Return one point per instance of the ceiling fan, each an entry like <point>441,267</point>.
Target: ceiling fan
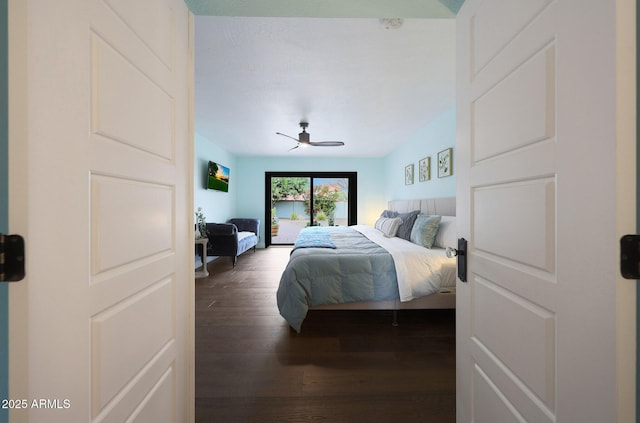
<point>304,141</point>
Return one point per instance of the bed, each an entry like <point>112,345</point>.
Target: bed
<point>361,268</point>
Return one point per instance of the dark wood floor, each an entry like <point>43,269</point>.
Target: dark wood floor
<point>345,366</point>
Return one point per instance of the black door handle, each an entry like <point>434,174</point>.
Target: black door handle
<point>461,254</point>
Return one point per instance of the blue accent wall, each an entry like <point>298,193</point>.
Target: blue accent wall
<point>4,203</point>
<point>217,206</point>
<point>434,137</point>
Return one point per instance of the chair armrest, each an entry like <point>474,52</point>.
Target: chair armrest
<point>246,224</point>
<point>223,239</point>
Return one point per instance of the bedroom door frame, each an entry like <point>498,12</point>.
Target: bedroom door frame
<point>637,111</point>
<point>4,204</point>
<point>352,198</point>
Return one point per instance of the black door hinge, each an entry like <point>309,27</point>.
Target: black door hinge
<point>630,256</point>
<point>11,258</point>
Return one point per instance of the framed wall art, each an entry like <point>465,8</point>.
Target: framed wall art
<point>408,174</point>
<point>424,169</point>
<point>445,163</point>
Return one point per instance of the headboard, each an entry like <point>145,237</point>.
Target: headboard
<point>440,206</point>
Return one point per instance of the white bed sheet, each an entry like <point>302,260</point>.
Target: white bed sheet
<point>420,271</point>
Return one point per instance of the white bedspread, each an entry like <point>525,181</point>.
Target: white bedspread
<point>420,271</point>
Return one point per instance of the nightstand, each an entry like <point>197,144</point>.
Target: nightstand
<point>203,256</point>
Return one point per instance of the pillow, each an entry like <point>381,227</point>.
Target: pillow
<point>446,236</point>
<point>424,230</point>
<point>388,226</point>
<point>408,219</point>
<point>389,213</point>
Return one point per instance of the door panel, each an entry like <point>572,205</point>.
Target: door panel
<point>536,164</point>
<point>490,403</point>
<point>108,212</point>
<point>532,359</point>
<point>149,213</point>
<point>150,308</point>
<point>145,120</point>
<point>159,36</point>
<point>495,24</point>
<point>502,122</point>
<point>500,211</point>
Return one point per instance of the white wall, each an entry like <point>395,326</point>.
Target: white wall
<point>218,206</point>
<point>433,138</point>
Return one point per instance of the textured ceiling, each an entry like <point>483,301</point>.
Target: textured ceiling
<point>327,8</point>
<point>352,79</point>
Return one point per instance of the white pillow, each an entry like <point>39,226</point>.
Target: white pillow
<point>446,236</point>
<point>388,226</point>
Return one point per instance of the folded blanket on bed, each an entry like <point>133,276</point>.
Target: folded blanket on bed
<point>314,237</point>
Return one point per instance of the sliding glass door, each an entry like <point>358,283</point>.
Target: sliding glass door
<point>295,200</point>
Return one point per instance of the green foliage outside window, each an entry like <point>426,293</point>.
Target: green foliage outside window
<point>281,188</point>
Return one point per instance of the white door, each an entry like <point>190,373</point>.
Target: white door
<point>545,150</point>
<point>100,331</point>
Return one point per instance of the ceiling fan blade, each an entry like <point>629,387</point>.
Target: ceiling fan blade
<point>288,136</point>
<point>327,143</point>
<point>303,139</point>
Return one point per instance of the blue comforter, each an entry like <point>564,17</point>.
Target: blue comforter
<point>356,270</point>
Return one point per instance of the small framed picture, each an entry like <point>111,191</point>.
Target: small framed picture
<point>424,169</point>
<point>408,174</point>
<point>445,163</point>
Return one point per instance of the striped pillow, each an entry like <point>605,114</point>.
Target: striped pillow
<point>388,226</point>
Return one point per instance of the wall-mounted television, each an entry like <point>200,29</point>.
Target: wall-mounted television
<point>218,177</point>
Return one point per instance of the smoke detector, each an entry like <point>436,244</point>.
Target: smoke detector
<point>391,23</point>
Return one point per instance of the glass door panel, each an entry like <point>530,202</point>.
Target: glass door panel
<point>330,201</point>
<point>290,198</point>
